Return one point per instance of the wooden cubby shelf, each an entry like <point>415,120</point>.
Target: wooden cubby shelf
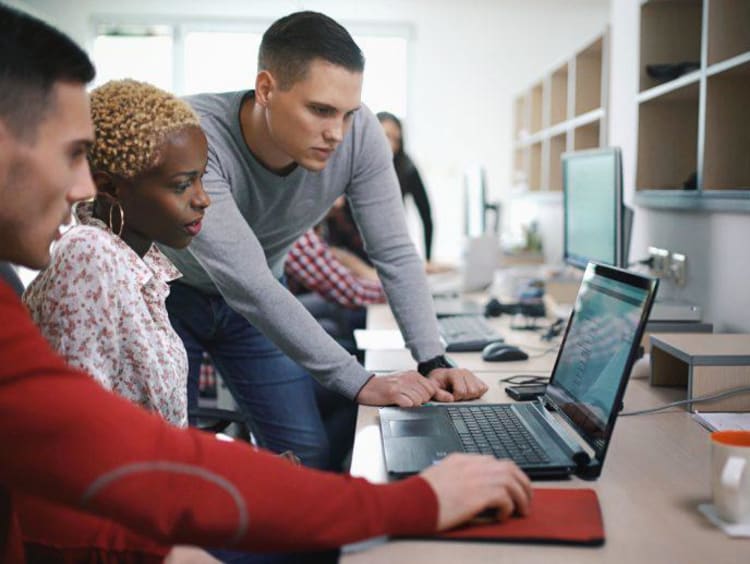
<point>535,105</point>
<point>535,167</point>
<point>588,92</point>
<point>668,139</point>
<point>694,129</point>
<point>587,137</point>
<point>559,95</point>
<point>727,163</point>
<point>728,34</point>
<point>557,145</point>
<point>563,111</point>
<point>670,34</point>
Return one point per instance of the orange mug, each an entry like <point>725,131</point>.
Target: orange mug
<point>730,475</point>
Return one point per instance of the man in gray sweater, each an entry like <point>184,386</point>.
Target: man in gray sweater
<point>279,156</point>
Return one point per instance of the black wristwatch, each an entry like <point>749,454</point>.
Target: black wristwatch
<point>424,368</point>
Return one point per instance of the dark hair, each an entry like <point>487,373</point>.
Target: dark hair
<point>292,42</point>
<point>33,57</point>
<point>401,161</point>
<point>388,116</point>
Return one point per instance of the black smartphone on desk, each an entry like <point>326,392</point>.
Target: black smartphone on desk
<point>526,392</point>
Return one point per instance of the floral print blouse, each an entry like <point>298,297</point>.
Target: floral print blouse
<point>102,307</point>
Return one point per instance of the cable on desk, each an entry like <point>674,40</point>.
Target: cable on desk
<point>554,330</point>
<point>524,379</point>
<point>699,399</point>
<point>543,353</point>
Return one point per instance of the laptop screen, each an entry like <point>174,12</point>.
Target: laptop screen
<point>597,352</point>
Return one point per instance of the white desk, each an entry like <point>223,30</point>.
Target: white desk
<point>541,353</point>
<point>655,474</point>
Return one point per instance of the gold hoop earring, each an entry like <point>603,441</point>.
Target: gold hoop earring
<point>122,217</point>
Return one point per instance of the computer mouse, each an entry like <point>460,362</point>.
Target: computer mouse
<point>501,352</point>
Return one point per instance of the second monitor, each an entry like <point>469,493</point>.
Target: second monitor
<point>596,222</point>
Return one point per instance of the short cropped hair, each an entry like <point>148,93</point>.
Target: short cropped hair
<point>34,56</point>
<point>131,121</point>
<point>294,41</point>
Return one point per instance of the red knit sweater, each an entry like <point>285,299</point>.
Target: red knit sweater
<point>65,439</point>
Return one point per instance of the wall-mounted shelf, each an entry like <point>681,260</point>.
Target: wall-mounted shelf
<point>564,111</point>
<point>694,126</point>
<point>589,71</point>
<point>668,139</point>
<point>670,33</point>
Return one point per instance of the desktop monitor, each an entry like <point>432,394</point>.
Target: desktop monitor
<point>480,247</point>
<point>596,223</point>
<point>475,200</point>
<point>476,205</point>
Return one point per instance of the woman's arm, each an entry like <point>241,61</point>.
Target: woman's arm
<point>75,302</point>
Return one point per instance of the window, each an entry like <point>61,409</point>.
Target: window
<point>385,85</point>
<point>219,61</point>
<point>142,53</point>
<point>188,58</point>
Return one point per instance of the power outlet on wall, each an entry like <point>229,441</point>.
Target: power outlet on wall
<point>678,268</point>
<point>668,265</point>
<point>659,261</point>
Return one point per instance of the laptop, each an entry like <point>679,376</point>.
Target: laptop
<point>585,392</point>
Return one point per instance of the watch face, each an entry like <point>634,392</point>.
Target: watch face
<point>424,368</point>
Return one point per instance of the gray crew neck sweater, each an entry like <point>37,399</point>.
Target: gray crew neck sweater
<point>256,215</point>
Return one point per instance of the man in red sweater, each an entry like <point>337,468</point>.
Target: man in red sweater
<point>65,439</point>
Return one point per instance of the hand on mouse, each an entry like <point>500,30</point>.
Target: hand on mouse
<point>465,484</point>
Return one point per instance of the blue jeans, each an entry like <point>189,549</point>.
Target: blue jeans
<point>287,408</point>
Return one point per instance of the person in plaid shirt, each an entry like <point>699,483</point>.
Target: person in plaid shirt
<point>312,266</point>
<point>334,285</point>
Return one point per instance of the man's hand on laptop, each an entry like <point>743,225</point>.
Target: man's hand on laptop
<point>466,484</point>
<point>460,383</point>
<point>404,389</point>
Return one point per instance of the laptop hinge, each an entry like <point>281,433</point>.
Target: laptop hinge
<point>587,467</point>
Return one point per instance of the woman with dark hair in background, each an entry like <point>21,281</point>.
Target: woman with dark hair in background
<point>408,176</point>
<point>340,228</point>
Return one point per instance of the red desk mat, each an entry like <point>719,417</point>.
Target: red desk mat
<point>557,516</point>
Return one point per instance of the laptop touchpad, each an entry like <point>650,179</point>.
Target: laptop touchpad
<point>414,428</point>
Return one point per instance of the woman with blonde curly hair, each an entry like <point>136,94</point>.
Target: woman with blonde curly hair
<point>100,302</point>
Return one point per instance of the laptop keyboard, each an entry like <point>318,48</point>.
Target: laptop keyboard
<point>496,430</point>
<point>467,333</point>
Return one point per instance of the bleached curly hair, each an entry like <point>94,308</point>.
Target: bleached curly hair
<point>131,121</point>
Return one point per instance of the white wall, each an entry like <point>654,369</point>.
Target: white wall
<point>25,6</point>
<point>469,59</point>
<point>715,243</point>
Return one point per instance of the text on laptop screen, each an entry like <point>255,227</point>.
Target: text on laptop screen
<point>596,351</point>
